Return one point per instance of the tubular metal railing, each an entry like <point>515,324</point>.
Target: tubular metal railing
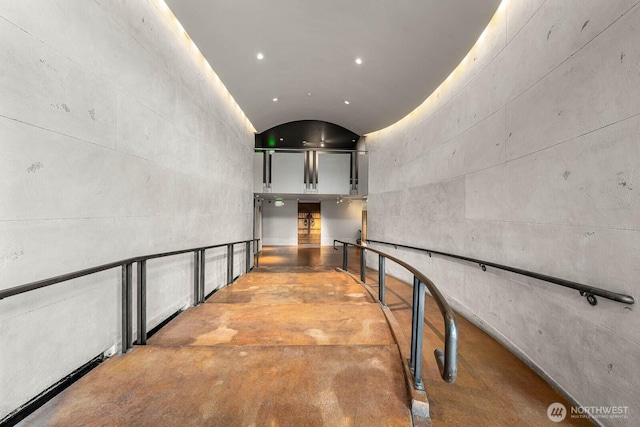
<point>141,282</point>
<point>448,360</point>
<point>590,292</point>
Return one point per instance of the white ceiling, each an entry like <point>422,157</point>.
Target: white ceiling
<point>408,47</point>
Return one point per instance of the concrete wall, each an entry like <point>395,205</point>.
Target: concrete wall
<point>279,225</point>
<point>333,173</point>
<point>339,221</point>
<point>288,173</point>
<point>527,155</point>
<point>258,186</point>
<point>117,141</point>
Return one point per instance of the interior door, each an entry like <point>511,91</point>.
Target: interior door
<point>309,223</point>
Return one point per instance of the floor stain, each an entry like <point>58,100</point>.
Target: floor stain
<point>318,335</point>
<point>356,295</point>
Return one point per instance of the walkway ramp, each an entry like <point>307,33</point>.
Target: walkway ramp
<point>280,347</point>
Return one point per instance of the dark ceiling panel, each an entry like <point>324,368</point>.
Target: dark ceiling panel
<point>307,134</point>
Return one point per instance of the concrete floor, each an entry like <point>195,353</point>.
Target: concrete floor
<point>296,343</point>
<point>494,387</point>
<point>282,346</point>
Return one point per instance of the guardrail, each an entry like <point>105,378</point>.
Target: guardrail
<point>448,360</point>
<point>141,282</point>
<point>589,292</point>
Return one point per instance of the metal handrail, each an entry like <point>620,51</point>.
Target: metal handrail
<point>5,293</point>
<point>141,282</point>
<point>318,149</point>
<point>590,292</point>
<point>448,360</point>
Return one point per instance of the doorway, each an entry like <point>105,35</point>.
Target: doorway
<point>309,223</point>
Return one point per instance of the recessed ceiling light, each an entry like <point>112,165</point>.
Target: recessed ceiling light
<point>275,99</point>
<point>359,61</point>
<point>260,55</point>
<point>346,102</point>
<point>308,93</point>
<point>322,144</point>
<point>281,139</point>
<point>353,140</point>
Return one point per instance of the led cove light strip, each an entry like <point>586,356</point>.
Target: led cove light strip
<point>177,26</point>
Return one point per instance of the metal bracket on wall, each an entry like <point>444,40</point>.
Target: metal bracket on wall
<point>590,297</point>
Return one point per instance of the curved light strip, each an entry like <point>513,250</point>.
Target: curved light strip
<point>497,19</point>
<point>179,29</point>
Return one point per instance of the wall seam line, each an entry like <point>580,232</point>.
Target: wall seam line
<point>571,55</point>
<point>575,137</point>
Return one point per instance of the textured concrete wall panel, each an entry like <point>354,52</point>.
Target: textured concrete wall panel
<point>80,324</point>
<point>594,92</point>
<point>531,161</point>
<point>117,141</point>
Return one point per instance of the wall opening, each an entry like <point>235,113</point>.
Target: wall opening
<point>309,224</point>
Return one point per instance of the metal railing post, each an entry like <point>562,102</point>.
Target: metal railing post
<point>363,266</point>
<point>126,308</point>
<point>248,257</point>
<point>414,326</point>
<point>196,277</point>
<point>381,280</point>
<point>256,248</point>
<point>417,376</point>
<point>229,264</point>
<point>231,248</point>
<point>201,284</point>
<point>142,302</point>
<point>345,256</point>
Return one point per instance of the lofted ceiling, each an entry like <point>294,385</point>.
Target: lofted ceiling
<point>310,47</point>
